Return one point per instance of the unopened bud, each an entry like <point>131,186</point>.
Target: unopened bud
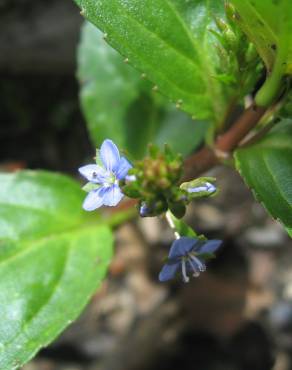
<point>201,187</point>
<point>144,210</point>
<point>152,208</point>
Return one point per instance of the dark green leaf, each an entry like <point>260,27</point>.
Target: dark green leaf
<point>267,169</point>
<point>52,259</point>
<point>118,104</point>
<point>170,42</point>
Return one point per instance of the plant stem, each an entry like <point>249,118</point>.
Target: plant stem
<point>247,121</point>
<point>272,86</point>
<point>207,157</point>
<point>171,224</point>
<point>198,163</point>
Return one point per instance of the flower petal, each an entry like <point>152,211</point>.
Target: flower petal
<point>112,196</point>
<point>182,246</point>
<point>94,200</point>
<point>210,246</point>
<point>110,156</point>
<point>93,173</point>
<point>168,271</point>
<point>123,168</point>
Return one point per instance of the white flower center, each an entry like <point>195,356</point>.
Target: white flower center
<point>110,180</point>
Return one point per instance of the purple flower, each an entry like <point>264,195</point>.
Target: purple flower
<point>104,177</point>
<point>189,254</point>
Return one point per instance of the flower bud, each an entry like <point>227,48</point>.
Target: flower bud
<point>152,208</point>
<point>199,188</point>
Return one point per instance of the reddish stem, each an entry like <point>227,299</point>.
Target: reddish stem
<point>247,121</point>
<point>207,157</point>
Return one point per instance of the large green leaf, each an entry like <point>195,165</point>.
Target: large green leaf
<point>267,169</point>
<point>52,259</point>
<point>268,24</point>
<point>120,105</point>
<point>171,43</point>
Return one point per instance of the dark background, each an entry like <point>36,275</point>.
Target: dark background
<point>40,121</point>
<point>236,316</point>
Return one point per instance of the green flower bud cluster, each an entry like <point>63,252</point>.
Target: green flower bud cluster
<point>155,182</point>
<point>240,64</point>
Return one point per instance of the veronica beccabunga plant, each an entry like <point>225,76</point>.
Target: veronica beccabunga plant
<point>210,78</point>
<point>154,182</point>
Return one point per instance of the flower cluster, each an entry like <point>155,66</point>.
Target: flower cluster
<point>155,183</point>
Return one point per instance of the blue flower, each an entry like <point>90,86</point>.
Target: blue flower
<point>189,254</point>
<point>104,177</point>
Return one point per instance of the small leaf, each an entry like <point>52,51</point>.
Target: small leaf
<point>53,257</point>
<point>90,186</point>
<point>267,169</point>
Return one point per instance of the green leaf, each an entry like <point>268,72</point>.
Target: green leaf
<point>53,256</point>
<point>34,204</point>
<point>268,24</point>
<point>119,104</point>
<point>90,186</point>
<point>267,169</point>
<point>170,42</point>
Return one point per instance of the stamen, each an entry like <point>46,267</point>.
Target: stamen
<point>186,279</point>
<point>201,266</point>
<point>195,272</point>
